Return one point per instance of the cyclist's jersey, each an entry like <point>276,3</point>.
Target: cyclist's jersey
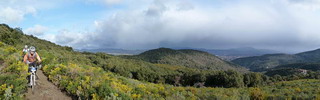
<point>31,58</point>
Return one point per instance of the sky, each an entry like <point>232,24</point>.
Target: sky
<point>282,25</point>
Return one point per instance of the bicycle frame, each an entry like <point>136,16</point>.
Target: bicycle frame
<point>33,77</point>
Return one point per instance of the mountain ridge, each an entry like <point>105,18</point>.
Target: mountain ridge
<point>226,54</point>
<point>186,57</point>
<point>261,63</point>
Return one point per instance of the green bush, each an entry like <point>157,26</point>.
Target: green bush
<point>13,80</point>
<point>10,49</point>
<point>1,44</point>
<point>257,94</point>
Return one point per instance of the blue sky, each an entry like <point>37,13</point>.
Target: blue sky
<point>284,25</point>
<point>78,16</point>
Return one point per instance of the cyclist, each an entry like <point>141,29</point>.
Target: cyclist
<point>31,58</point>
<point>24,51</point>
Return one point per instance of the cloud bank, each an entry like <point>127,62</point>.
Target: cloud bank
<point>37,30</point>
<point>288,25</point>
<point>273,24</point>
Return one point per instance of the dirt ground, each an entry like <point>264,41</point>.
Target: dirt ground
<point>45,90</point>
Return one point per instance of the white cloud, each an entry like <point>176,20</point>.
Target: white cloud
<point>14,11</point>
<point>112,1</point>
<point>10,15</point>
<point>37,30</point>
<point>185,5</point>
<point>106,2</point>
<point>72,38</point>
<point>31,10</point>
<point>312,5</point>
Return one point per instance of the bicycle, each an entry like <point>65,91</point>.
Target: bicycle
<point>33,78</point>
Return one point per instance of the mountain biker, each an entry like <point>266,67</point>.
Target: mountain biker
<point>31,58</point>
<point>24,51</point>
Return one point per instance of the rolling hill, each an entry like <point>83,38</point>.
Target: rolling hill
<point>243,52</point>
<point>113,51</point>
<point>186,57</point>
<point>234,53</point>
<point>306,66</point>
<point>225,54</point>
<point>310,56</point>
<point>295,69</point>
<point>262,63</point>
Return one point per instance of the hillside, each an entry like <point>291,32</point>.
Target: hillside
<point>306,66</point>
<point>297,69</point>
<point>98,76</point>
<point>310,56</point>
<point>234,53</point>
<point>242,52</point>
<point>261,63</point>
<point>186,57</point>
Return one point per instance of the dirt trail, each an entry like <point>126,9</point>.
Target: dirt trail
<point>45,90</point>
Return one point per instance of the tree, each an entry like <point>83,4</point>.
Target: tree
<point>226,79</point>
<point>253,79</point>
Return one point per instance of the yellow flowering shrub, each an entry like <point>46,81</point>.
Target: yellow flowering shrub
<point>10,49</point>
<point>120,87</point>
<point>1,44</point>
<point>3,87</point>
<point>14,73</point>
<point>136,96</point>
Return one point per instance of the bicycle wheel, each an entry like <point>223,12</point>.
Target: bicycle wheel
<point>33,83</point>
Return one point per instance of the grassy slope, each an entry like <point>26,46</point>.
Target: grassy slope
<point>12,74</point>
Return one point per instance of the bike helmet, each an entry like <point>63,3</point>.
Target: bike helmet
<point>25,46</point>
<point>32,49</point>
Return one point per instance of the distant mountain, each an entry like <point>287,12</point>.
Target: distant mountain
<point>188,58</point>
<point>234,53</point>
<point>246,51</point>
<point>261,63</point>
<point>114,51</point>
<point>225,54</point>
